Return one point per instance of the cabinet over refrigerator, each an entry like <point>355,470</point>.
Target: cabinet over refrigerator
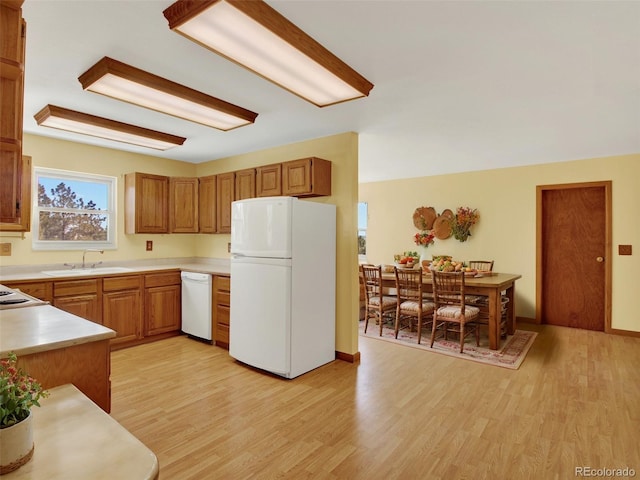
<point>283,284</point>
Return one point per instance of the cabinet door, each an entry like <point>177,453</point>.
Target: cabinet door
<point>85,306</point>
<point>162,309</point>
<point>15,200</point>
<point>146,203</point>
<point>122,307</point>
<point>221,310</point>
<point>245,184</point>
<point>123,313</point>
<point>269,181</point>
<point>80,297</point>
<point>183,207</point>
<point>207,204</point>
<point>225,193</point>
<point>15,191</point>
<point>307,177</point>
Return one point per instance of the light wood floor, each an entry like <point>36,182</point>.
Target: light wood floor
<point>401,413</point>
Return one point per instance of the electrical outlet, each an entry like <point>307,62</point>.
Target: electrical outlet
<point>149,245</point>
<point>624,249</point>
<point>5,249</point>
<point>229,247</point>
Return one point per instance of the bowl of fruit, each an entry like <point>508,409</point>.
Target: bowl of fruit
<point>407,260</point>
<point>448,265</point>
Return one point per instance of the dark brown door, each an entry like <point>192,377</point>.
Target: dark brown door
<point>573,258</point>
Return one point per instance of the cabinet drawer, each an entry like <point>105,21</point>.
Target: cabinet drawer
<point>41,290</point>
<point>223,283</point>
<point>222,315</point>
<point>222,334</point>
<point>75,287</point>
<point>113,284</point>
<point>162,279</point>
<point>223,298</point>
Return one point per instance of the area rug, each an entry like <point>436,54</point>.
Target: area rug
<point>511,354</point>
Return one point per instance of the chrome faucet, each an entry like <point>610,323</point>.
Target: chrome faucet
<point>85,253</point>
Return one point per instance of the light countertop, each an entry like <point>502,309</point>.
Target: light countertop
<point>42,328</point>
<point>75,439</point>
<point>34,272</point>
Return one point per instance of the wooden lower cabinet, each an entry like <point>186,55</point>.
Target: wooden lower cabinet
<point>87,366</point>
<point>122,308</point>
<point>221,310</point>
<point>79,297</point>
<point>162,307</point>
<point>42,290</point>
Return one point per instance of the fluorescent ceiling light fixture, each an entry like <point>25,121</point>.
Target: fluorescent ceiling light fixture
<point>78,122</point>
<point>254,35</point>
<point>130,84</point>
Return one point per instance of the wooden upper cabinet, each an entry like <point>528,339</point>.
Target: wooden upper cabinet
<point>307,177</point>
<point>225,194</point>
<point>15,193</point>
<point>207,204</point>
<point>15,182</point>
<point>183,205</point>
<point>146,203</point>
<point>269,180</point>
<point>245,184</point>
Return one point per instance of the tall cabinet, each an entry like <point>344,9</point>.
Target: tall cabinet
<point>15,181</point>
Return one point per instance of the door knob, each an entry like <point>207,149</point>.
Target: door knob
<point>599,259</point>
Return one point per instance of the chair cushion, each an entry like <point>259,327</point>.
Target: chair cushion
<point>476,299</point>
<point>386,302</point>
<point>412,306</point>
<point>452,311</point>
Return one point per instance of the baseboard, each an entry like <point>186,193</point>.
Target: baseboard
<point>526,320</point>
<point>348,357</point>
<point>627,333</point>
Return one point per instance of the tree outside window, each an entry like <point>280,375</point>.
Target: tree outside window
<point>73,210</point>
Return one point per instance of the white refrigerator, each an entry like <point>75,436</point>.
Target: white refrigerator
<point>283,284</point>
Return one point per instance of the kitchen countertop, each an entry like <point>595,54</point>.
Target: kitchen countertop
<point>42,328</point>
<point>34,272</point>
<point>74,439</point>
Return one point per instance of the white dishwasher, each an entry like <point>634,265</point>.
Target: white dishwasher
<point>196,305</point>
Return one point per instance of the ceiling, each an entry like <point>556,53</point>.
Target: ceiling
<point>459,86</point>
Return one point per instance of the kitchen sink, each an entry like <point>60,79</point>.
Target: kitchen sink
<point>81,272</point>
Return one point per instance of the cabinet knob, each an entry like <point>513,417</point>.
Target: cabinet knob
<point>599,259</point>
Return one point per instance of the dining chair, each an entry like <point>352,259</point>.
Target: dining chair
<point>481,265</point>
<point>482,301</point>
<point>412,303</point>
<point>451,308</point>
<point>378,306</point>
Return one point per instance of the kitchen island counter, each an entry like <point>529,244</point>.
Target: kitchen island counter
<point>56,348</point>
<point>41,328</point>
<point>76,440</point>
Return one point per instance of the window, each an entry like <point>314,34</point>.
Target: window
<point>73,210</point>
<point>362,231</point>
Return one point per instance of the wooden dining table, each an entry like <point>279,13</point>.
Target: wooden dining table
<point>493,287</point>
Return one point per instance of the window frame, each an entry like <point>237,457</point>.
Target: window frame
<point>66,176</point>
